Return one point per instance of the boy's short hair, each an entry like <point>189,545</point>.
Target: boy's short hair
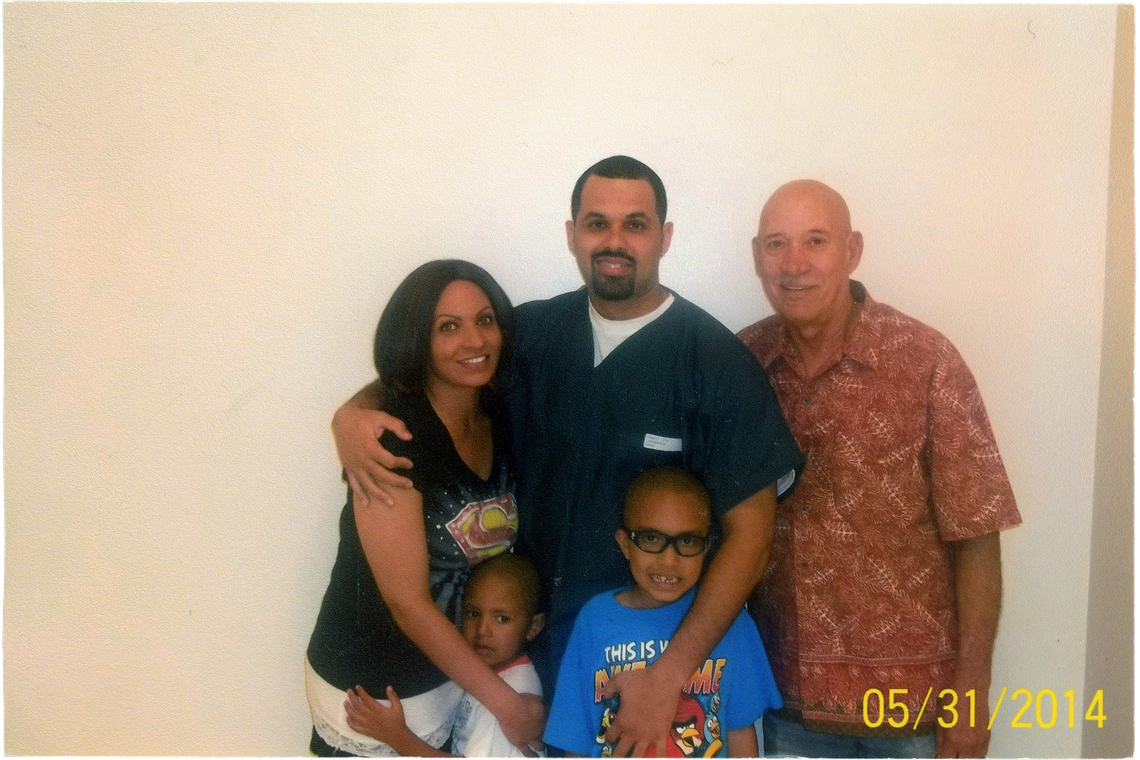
<point>518,569</point>
<point>674,479</point>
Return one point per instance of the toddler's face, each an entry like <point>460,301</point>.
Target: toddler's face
<point>495,621</point>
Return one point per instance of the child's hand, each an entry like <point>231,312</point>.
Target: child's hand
<point>371,718</point>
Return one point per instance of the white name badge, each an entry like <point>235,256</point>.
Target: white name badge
<point>785,482</point>
<point>661,443</point>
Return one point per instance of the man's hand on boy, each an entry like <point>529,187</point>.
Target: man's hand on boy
<point>645,718</point>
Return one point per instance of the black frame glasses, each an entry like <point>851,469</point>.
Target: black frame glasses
<point>656,542</point>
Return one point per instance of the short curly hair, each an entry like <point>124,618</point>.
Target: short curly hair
<point>515,568</point>
<point>621,167</point>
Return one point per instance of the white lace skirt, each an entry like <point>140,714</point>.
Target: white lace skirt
<point>429,715</point>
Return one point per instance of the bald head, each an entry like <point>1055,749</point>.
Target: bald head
<point>805,252</point>
<point>801,191</point>
<point>515,569</point>
<point>649,484</point>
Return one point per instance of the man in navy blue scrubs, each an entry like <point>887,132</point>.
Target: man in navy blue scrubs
<point>606,381</point>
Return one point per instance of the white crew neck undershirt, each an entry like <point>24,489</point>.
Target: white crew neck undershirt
<point>610,333</point>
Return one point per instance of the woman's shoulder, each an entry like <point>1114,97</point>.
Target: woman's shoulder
<point>418,416</point>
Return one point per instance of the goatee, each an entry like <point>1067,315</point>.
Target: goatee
<point>610,287</point>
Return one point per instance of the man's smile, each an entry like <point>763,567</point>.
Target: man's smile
<point>613,261</point>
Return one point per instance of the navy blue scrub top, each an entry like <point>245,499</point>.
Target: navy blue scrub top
<point>682,391</point>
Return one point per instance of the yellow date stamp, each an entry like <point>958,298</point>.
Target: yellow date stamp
<point>1040,710</point>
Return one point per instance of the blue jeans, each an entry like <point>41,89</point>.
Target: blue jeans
<point>783,737</point>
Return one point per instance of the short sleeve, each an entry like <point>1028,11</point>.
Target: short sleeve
<point>749,445</point>
<point>570,724</point>
<point>751,690</point>
<point>425,440</point>
<point>969,486</point>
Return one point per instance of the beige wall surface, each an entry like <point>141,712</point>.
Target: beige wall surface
<point>1110,651</point>
<point>206,206</point>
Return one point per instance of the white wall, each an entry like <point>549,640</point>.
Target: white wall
<point>1110,647</point>
<point>206,205</point>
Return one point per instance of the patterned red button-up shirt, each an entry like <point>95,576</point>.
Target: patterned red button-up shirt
<point>900,460</point>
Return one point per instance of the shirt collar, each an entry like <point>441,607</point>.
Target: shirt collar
<point>859,345</point>
<point>522,659</point>
<point>867,334</point>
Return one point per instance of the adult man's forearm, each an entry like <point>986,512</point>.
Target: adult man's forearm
<point>357,427</point>
<point>733,573</point>
<point>977,588</point>
<point>367,397</point>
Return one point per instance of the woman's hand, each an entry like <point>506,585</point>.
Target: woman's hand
<point>357,427</point>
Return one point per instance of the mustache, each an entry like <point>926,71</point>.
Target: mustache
<point>612,253</point>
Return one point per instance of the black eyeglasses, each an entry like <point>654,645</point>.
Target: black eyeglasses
<point>655,542</point>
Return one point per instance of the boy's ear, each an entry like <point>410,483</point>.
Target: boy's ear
<point>537,623</point>
<point>622,539</point>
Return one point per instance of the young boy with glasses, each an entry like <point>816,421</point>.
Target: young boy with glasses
<point>665,537</point>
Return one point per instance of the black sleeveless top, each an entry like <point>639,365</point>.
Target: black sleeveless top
<point>466,519</point>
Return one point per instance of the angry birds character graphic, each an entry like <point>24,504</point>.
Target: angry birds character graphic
<point>688,728</point>
<point>694,733</point>
<point>608,714</point>
<point>712,726</point>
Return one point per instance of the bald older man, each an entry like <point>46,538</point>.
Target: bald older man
<point>880,603</point>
